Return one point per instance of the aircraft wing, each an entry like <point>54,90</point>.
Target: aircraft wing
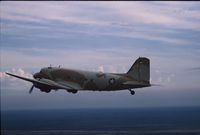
<point>72,85</point>
<point>46,82</point>
<point>23,78</point>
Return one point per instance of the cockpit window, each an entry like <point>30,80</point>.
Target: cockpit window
<point>42,70</point>
<point>45,72</point>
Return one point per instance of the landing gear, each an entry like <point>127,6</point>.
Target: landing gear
<point>74,91</point>
<point>132,92</point>
<point>46,90</point>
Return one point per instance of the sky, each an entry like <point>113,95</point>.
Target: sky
<point>100,36</point>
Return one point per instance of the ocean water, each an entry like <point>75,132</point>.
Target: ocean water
<point>138,121</point>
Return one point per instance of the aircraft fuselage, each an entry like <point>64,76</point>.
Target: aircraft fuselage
<point>87,80</point>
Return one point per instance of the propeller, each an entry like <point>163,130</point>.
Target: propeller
<point>31,89</point>
<point>36,76</point>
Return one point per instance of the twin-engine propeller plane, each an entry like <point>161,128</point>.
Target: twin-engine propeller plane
<point>54,78</point>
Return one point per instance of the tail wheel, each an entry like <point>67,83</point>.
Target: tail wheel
<point>132,92</point>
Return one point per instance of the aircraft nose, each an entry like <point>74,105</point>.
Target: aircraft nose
<point>37,75</point>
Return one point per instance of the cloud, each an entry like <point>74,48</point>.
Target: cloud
<point>162,77</point>
<point>21,72</point>
<point>2,74</point>
<point>100,69</point>
<point>79,12</point>
<point>161,14</point>
<point>92,58</point>
<point>28,58</point>
<point>9,82</point>
<point>140,20</point>
<point>18,71</point>
<point>194,69</point>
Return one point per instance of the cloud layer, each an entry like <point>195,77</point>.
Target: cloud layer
<point>156,21</point>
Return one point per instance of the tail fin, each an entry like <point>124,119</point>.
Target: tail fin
<point>140,70</point>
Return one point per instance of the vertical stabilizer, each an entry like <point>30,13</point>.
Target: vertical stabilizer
<point>140,70</point>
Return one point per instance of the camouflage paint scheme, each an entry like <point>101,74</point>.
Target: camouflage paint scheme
<point>54,78</point>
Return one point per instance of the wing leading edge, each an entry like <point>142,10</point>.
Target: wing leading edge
<point>46,82</point>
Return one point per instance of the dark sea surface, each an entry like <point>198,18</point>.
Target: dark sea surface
<point>140,121</point>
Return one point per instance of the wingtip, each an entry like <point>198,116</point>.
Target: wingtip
<point>7,73</point>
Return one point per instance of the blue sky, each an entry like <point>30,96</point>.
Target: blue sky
<point>106,36</point>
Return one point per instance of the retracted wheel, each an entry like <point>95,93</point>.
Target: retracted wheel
<point>47,91</point>
<point>74,91</point>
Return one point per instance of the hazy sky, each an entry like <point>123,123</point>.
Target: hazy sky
<point>106,36</point>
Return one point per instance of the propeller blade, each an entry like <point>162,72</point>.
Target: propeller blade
<point>31,89</point>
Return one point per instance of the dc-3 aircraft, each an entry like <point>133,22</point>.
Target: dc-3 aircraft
<point>54,78</point>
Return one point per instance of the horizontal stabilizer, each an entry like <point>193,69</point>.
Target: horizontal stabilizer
<point>136,83</point>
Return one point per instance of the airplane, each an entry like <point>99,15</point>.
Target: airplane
<point>54,78</point>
